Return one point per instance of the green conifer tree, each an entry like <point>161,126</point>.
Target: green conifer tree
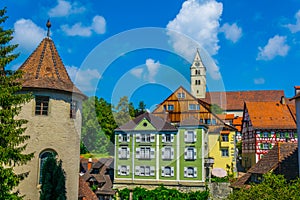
<point>11,127</point>
<point>53,180</point>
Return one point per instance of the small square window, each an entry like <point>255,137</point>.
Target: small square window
<point>41,105</point>
<point>170,107</point>
<point>225,138</point>
<point>73,109</point>
<point>224,152</point>
<point>180,95</point>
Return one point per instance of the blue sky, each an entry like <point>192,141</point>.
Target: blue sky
<point>143,49</point>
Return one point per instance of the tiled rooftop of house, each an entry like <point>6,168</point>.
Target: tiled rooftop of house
<point>235,100</point>
<point>269,162</point>
<point>158,123</point>
<point>273,115</point>
<point>85,191</point>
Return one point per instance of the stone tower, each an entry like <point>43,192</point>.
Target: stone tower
<point>54,118</point>
<point>198,77</point>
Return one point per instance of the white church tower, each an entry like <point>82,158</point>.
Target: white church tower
<point>198,77</point>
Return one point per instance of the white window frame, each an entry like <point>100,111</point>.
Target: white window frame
<point>166,137</point>
<point>190,175</point>
<point>192,138</point>
<point>123,155</point>
<point>166,156</point>
<point>190,153</point>
<point>144,170</point>
<point>194,107</point>
<point>181,95</point>
<point>164,170</point>
<point>123,170</point>
<point>145,153</point>
<point>124,137</point>
<point>226,137</point>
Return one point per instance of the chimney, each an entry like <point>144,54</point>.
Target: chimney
<point>297,90</point>
<point>90,163</point>
<point>282,100</point>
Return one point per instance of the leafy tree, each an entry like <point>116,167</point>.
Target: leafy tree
<point>11,128</point>
<point>272,187</point>
<point>216,109</point>
<point>141,109</point>
<point>121,113</point>
<point>53,180</point>
<point>93,136</point>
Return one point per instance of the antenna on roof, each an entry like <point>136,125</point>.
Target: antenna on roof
<point>48,24</point>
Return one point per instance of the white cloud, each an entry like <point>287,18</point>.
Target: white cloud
<point>27,34</point>
<point>98,26</point>
<point>65,8</point>
<point>259,81</point>
<point>276,47</point>
<point>152,68</point>
<point>232,32</point>
<point>148,73</point>
<point>85,80</point>
<point>295,27</point>
<point>137,72</point>
<point>77,30</point>
<point>198,19</point>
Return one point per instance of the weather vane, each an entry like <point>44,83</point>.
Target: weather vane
<point>48,24</point>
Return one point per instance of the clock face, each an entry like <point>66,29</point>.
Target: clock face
<point>197,64</point>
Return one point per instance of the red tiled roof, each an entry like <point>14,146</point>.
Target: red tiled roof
<point>45,69</point>
<point>158,123</point>
<point>235,100</point>
<point>85,191</point>
<point>272,115</point>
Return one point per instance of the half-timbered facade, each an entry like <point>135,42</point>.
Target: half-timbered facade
<point>264,125</point>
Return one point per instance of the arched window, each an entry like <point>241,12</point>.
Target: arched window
<point>42,158</point>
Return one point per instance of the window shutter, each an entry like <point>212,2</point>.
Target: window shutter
<point>270,146</point>
<point>119,152</point>
<point>137,152</point>
<point>127,170</point>
<point>295,135</point>
<point>172,171</point>
<point>195,136</point>
<point>152,172</point>
<point>172,137</point>
<point>185,136</point>
<point>137,170</point>
<point>128,137</point>
<point>261,146</point>
<point>163,138</point>
<point>119,169</point>
<point>172,153</point>
<point>128,152</point>
<point>162,171</point>
<point>120,137</point>
<point>195,172</point>
<point>152,153</point>
<point>277,135</point>
<point>163,153</point>
<point>185,171</point>
<point>138,137</point>
<point>195,153</point>
<point>185,153</point>
<point>152,137</point>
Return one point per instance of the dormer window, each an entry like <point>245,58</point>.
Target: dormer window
<point>41,105</point>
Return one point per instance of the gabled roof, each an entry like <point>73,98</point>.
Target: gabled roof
<point>158,123</point>
<point>232,100</point>
<point>44,69</point>
<point>271,115</point>
<point>269,162</point>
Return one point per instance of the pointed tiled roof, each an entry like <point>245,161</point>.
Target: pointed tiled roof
<point>157,122</point>
<point>45,69</point>
<point>271,115</point>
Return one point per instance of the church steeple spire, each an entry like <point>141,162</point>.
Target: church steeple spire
<point>198,77</point>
